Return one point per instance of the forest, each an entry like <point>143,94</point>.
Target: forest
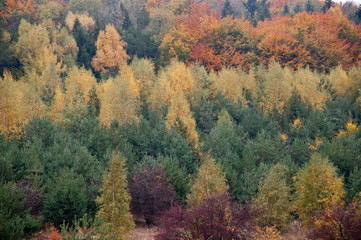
<point>213,119</point>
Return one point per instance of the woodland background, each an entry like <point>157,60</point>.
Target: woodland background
<point>208,119</point>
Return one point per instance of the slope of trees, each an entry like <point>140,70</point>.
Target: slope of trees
<point>224,119</point>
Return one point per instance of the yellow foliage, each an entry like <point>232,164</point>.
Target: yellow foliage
<point>297,124</point>
<point>127,74</point>
<point>228,81</point>
<point>318,189</point>
<point>143,72</point>
<point>84,19</point>
<point>350,129</point>
<point>267,233</point>
<point>339,81</point>
<point>317,142</point>
<point>179,116</point>
<point>174,79</point>
<point>79,81</point>
<point>19,102</point>
<point>117,102</point>
<point>110,55</point>
<point>58,106</point>
<point>277,88</point>
<point>210,181</point>
<point>307,84</point>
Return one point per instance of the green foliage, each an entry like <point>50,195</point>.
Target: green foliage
<point>274,198</point>
<point>65,198</point>
<point>113,203</point>
<point>15,220</point>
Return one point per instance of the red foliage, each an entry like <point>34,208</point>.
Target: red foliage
<point>21,6</point>
<point>215,218</point>
<point>341,223</point>
<point>54,235</point>
<point>150,192</point>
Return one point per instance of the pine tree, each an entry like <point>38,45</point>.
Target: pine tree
<point>210,182</point>
<point>328,4</point>
<point>227,9</point>
<point>286,10</point>
<point>309,7</point>
<point>113,204</point>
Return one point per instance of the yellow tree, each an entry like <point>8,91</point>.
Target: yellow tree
<point>211,181</point>
<point>79,82</point>
<point>110,55</point>
<point>308,85</point>
<point>274,198</point>
<point>318,189</point>
<point>179,116</point>
<point>143,72</point>
<point>174,79</point>
<point>339,81</point>
<point>228,81</point>
<point>277,88</point>
<point>114,201</point>
<point>117,102</point>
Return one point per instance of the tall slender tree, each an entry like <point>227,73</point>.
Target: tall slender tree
<point>114,210</point>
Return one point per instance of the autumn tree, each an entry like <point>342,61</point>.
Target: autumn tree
<point>110,55</point>
<point>20,6</point>
<point>274,198</point>
<point>179,116</point>
<point>277,88</point>
<point>209,182</point>
<point>117,101</point>
<point>175,79</point>
<point>113,203</point>
<point>151,191</point>
<point>308,85</point>
<point>318,189</point>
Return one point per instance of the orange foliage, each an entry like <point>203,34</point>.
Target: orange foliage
<point>22,6</point>
<point>54,235</point>
<point>319,40</point>
<point>150,5</point>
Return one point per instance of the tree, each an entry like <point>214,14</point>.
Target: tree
<point>274,198</point>
<point>227,9</point>
<point>113,203</point>
<point>327,5</point>
<point>179,116</point>
<point>110,55</point>
<point>209,182</point>
<point>65,198</point>
<point>277,89</point>
<point>286,10</point>
<point>117,102</point>
<point>309,7</point>
<point>343,222</point>
<point>150,191</point>
<point>15,220</point>
<point>20,6</point>
<point>318,189</point>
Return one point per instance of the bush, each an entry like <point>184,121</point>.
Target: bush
<point>215,218</point>
<point>151,192</point>
<point>15,220</point>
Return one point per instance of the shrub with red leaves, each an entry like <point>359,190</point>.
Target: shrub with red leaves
<point>150,191</point>
<point>215,218</point>
<point>341,223</point>
<point>54,234</point>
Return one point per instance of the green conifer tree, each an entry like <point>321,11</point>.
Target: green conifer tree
<point>114,211</point>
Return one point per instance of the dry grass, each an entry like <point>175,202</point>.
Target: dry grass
<point>296,232</point>
<point>143,233</point>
